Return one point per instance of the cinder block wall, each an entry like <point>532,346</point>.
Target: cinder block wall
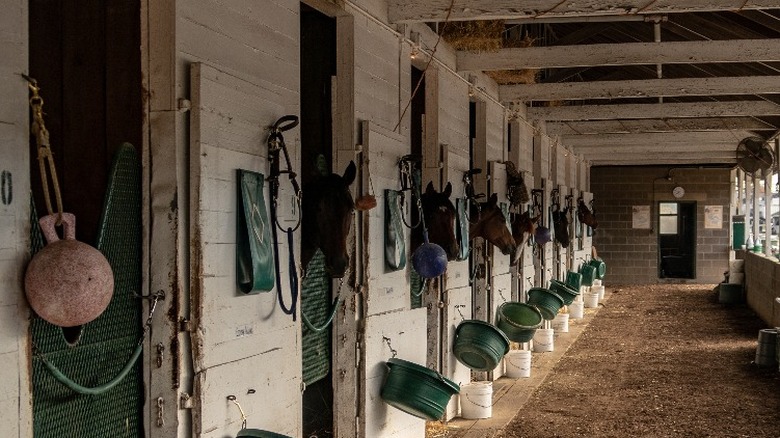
<point>632,254</point>
<point>762,286</point>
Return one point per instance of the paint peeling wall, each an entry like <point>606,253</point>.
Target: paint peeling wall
<point>15,399</point>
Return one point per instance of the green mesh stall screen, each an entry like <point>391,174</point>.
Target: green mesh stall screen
<point>315,303</point>
<point>106,343</point>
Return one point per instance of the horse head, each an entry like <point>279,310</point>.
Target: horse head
<point>327,218</point>
<point>523,227</point>
<point>439,214</point>
<point>488,222</point>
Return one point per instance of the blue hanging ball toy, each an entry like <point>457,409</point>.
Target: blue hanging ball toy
<point>429,260</point>
<point>542,235</point>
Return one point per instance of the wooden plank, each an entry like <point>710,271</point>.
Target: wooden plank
<point>438,10</point>
<point>655,110</point>
<point>720,86</point>
<point>593,55</point>
<point>663,139</point>
<point>627,126</point>
<point>431,153</point>
<point>662,160</point>
<point>405,332</point>
<point>457,308</point>
<point>270,402</point>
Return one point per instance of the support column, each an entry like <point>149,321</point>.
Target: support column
<point>768,213</point>
<point>754,214</point>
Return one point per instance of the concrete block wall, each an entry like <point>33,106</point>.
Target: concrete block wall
<point>632,254</point>
<point>762,287</point>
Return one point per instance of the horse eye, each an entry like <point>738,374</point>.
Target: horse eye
<point>443,209</point>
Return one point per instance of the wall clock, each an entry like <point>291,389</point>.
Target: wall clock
<point>678,192</point>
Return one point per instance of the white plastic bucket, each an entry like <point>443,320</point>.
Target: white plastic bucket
<point>543,340</point>
<point>518,363</point>
<point>576,309</point>
<point>476,400</point>
<point>596,282</point>
<point>598,290</point>
<point>560,323</point>
<point>583,290</point>
<point>591,300</point>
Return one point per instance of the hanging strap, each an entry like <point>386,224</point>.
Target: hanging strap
<point>45,155</point>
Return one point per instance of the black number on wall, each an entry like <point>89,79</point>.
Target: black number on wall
<point>6,188</point>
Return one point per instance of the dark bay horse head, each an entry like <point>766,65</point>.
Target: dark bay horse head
<point>327,217</point>
<point>523,227</point>
<point>488,222</point>
<point>439,214</point>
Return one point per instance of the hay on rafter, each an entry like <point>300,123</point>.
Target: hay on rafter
<point>475,36</point>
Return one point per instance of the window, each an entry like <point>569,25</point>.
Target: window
<point>667,218</point>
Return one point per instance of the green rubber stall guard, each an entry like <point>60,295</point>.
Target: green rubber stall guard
<point>316,305</point>
<point>105,344</point>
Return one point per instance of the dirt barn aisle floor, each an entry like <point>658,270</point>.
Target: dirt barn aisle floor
<point>658,361</point>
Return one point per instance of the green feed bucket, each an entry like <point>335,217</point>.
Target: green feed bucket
<point>588,275</point>
<point>547,301</point>
<point>258,433</point>
<point>417,390</point>
<point>573,280</point>
<point>518,321</point>
<point>479,345</point>
<point>600,267</point>
<point>566,292</point>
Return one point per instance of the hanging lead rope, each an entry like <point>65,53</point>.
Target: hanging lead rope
<point>275,145</point>
<point>45,155</point>
<point>100,389</point>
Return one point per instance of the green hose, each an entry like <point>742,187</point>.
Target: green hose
<point>97,390</point>
<point>325,325</point>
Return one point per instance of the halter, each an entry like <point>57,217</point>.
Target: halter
<point>410,181</point>
<point>275,145</point>
<point>471,197</point>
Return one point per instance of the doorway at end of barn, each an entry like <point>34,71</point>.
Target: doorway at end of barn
<point>317,68</point>
<point>677,240</point>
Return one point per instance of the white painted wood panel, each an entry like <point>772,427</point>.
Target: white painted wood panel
<point>501,262</point>
<point>247,40</point>
<point>458,302</point>
<point>239,340</point>
<point>387,291</point>
<point>270,401</point>
<point>15,401</point>
<point>406,331</point>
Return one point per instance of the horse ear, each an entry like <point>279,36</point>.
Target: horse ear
<point>429,188</point>
<point>349,174</point>
<point>493,198</point>
<point>448,190</point>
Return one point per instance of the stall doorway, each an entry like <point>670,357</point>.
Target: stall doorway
<point>677,239</point>
<point>318,68</point>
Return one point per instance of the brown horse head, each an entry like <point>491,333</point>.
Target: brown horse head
<point>488,222</point>
<point>523,227</point>
<point>585,215</point>
<point>327,218</point>
<point>439,214</point>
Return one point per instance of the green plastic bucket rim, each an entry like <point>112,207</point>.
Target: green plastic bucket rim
<point>493,329</point>
<point>524,305</point>
<point>548,291</point>
<point>423,370</point>
<point>259,433</point>
<point>565,287</point>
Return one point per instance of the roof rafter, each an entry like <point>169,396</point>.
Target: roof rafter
<point>655,110</point>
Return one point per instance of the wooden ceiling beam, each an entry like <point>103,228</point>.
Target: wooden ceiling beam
<point>639,149</point>
<point>692,140</point>
<point>736,85</point>
<point>594,55</point>
<point>438,10</point>
<point>657,125</point>
<point>663,159</point>
<point>654,110</point>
